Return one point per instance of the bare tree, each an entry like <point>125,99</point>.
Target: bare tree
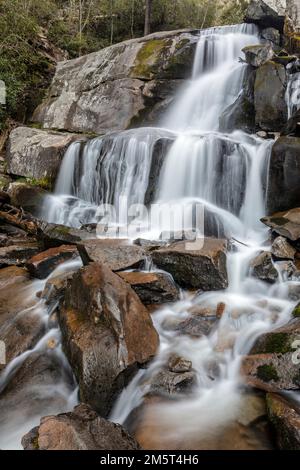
<point>148,12</point>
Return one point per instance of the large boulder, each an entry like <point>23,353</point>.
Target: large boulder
<point>37,154</point>
<point>152,288</point>
<point>258,54</point>
<point>117,254</point>
<point>286,223</point>
<point>285,418</point>
<point>269,96</point>
<point>81,429</point>
<point>203,268</point>
<point>283,191</point>
<point>118,86</point>
<point>107,334</point>
<point>266,13</point>
<point>272,364</point>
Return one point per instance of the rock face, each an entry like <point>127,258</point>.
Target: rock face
<point>17,255</point>
<point>152,288</point>
<point>269,96</point>
<point>115,253</point>
<point>258,55</point>
<point>203,268</point>
<point>286,223</point>
<point>44,263</point>
<point>266,13</point>
<point>107,334</point>
<point>271,364</point>
<point>118,86</point>
<point>285,418</point>
<point>81,429</point>
<point>36,154</point>
<point>283,190</point>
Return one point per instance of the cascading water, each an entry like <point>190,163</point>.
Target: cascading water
<point>227,173</point>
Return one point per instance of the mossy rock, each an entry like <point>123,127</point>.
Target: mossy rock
<point>296,311</point>
<point>285,419</point>
<point>164,58</point>
<point>267,372</point>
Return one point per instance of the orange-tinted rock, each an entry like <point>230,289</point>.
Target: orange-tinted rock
<point>81,429</point>
<point>107,334</point>
<point>44,263</point>
<point>285,418</point>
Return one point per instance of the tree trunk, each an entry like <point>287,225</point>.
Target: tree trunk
<point>147,29</point>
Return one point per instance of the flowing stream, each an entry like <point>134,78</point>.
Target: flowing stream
<point>227,174</point>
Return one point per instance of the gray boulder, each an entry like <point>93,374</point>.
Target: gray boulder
<point>202,268</point>
<point>119,86</point>
<point>286,223</point>
<point>258,54</point>
<point>283,191</point>
<point>266,13</point>
<point>37,154</point>
<point>262,267</point>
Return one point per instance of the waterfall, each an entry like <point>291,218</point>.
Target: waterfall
<point>227,173</point>
<point>292,91</point>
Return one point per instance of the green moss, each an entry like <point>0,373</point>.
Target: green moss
<point>296,311</point>
<point>274,343</point>
<point>267,372</point>
<point>148,57</point>
<point>44,183</point>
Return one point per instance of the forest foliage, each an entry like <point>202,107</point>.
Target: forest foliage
<point>82,26</point>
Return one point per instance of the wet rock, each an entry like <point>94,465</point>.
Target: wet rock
<point>203,268</point>
<point>262,267</point>
<point>117,254</point>
<point>285,418</point>
<point>18,255</point>
<point>283,191</point>
<point>258,54</point>
<point>27,196</point>
<point>271,364</point>
<point>272,35</point>
<point>286,223</point>
<point>81,429</point>
<point>19,332</point>
<point>241,113</point>
<point>37,154</point>
<point>33,389</point>
<point>55,286</point>
<point>159,153</point>
<point>44,263</point>
<point>292,128</point>
<point>53,235</point>
<point>269,96</point>
<point>140,75</point>
<point>266,13</point>
<point>179,364</point>
<point>168,383</point>
<point>282,249</point>
<point>152,288</point>
<point>195,326</point>
<point>107,334</point>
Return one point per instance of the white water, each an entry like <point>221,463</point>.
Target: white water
<point>228,174</point>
